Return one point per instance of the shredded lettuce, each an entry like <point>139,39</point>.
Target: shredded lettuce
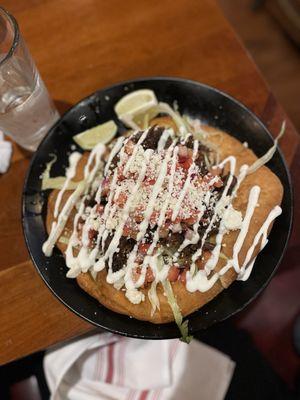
<point>93,274</point>
<point>223,256</point>
<point>143,120</point>
<point>119,284</point>
<point>56,182</point>
<point>146,121</point>
<point>46,173</point>
<point>153,298</point>
<point>268,155</point>
<point>165,108</point>
<point>207,161</point>
<point>63,239</point>
<point>194,126</point>
<point>182,325</point>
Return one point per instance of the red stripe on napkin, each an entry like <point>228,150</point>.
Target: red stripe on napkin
<point>144,395</point>
<point>110,367</point>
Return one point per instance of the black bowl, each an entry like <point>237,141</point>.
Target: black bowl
<point>198,100</point>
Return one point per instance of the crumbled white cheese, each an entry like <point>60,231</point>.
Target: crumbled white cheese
<point>232,219</point>
<point>134,296</point>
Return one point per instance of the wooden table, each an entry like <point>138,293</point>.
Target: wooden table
<point>80,46</point>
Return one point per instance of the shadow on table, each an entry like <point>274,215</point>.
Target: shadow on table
<point>62,106</point>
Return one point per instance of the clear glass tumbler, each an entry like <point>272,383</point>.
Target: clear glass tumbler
<point>26,110</point>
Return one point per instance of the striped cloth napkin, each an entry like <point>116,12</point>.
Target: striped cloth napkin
<point>107,366</point>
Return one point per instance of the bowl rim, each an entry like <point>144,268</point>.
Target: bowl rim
<point>125,83</point>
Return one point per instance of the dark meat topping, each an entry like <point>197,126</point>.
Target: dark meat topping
<point>120,258</point>
<point>152,138</point>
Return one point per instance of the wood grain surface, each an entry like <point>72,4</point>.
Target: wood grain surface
<point>79,47</point>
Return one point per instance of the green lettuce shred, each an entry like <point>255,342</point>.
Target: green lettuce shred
<point>153,298</point>
<point>63,239</point>
<point>268,155</point>
<point>182,325</point>
<point>56,182</point>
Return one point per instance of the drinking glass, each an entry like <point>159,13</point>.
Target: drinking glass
<point>26,110</point>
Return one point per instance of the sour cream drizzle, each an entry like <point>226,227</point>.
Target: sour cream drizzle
<point>115,150</point>
<point>83,186</point>
<point>155,191</point>
<point>118,233</point>
<point>135,149</point>
<point>245,270</point>
<point>163,139</point>
<point>70,173</point>
<point>212,262</point>
<point>93,260</point>
<point>232,162</point>
<point>145,223</point>
<point>187,183</point>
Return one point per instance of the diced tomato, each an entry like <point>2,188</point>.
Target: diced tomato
<point>186,164</point>
<point>191,220</point>
<point>100,209</point>
<point>121,176</point>
<point>139,258</point>
<point>135,274</point>
<point>149,275</point>
<point>168,216</point>
<point>183,153</point>
<point>203,259</point>
<point>129,231</point>
<point>182,276</point>
<point>173,274</point>
<point>154,217</point>
<point>105,187</point>
<point>121,199</point>
<point>149,181</point>
<point>138,216</point>
<point>92,234</point>
<point>143,248</point>
<point>129,146</point>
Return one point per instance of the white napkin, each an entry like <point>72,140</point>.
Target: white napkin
<point>110,367</point>
<point>5,153</point>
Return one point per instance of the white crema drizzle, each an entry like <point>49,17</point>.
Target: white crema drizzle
<point>95,259</point>
<point>70,173</point>
<point>83,186</point>
<point>151,260</point>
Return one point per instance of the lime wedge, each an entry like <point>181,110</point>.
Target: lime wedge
<point>133,104</point>
<point>103,133</point>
